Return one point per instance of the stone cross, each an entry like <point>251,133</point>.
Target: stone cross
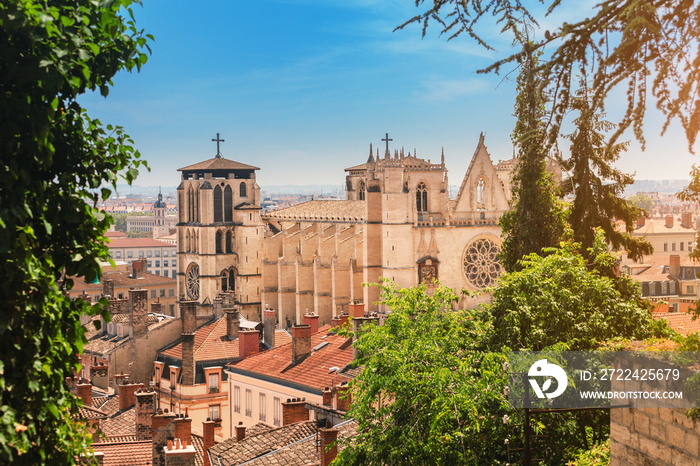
<point>386,139</point>
<point>218,140</point>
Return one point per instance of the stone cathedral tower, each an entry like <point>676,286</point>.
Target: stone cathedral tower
<point>220,234</point>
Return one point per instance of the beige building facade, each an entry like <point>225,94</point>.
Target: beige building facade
<point>397,221</point>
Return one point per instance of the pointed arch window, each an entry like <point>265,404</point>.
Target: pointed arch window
<point>229,242</point>
<point>361,191</point>
<point>228,204</point>
<point>480,189</point>
<point>243,190</point>
<point>228,280</point>
<point>218,214</point>
<point>218,242</point>
<point>422,197</point>
<point>190,205</point>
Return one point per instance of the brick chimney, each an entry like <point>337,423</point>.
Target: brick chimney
<point>248,343</point>
<point>269,327</point>
<point>163,428</point>
<point>233,323</point>
<point>179,453</point>
<point>327,396</point>
<point>188,311</point>
<point>294,410</point>
<point>675,265</point>
<point>342,401</point>
<point>188,365</point>
<point>156,307</point>
<point>127,395</point>
<point>138,312</point>
<point>240,431</point>
<point>669,221</point>
<point>108,287</point>
<point>84,392</point>
<point>339,321</point>
<point>138,268</point>
<point>356,310</point>
<point>329,446</point>
<point>301,342</point>
<point>208,427</point>
<point>687,220</point>
<point>312,321</point>
<point>120,379</point>
<point>145,409</point>
<point>183,427</point>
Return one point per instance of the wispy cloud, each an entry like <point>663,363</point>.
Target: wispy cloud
<point>449,90</point>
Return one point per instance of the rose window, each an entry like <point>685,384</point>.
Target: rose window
<point>192,281</point>
<point>481,265</point>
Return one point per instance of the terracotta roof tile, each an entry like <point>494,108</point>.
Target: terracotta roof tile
<point>218,164</point>
<point>304,452</point>
<point>311,371</point>
<point>334,210</point>
<point>126,453</point>
<point>211,343</point>
<point>122,280</point>
<point>682,323</point>
<point>230,452</point>
<point>138,243</point>
<point>120,424</point>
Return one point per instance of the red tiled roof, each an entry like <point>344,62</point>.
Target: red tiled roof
<point>126,454</point>
<point>122,280</point>
<point>120,424</point>
<point>682,323</point>
<point>115,234</point>
<point>138,243</point>
<point>312,371</point>
<point>211,343</point>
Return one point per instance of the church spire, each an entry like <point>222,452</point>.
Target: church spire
<point>371,158</point>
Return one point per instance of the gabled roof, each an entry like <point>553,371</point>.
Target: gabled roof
<point>230,452</point>
<point>312,372</point>
<point>305,451</point>
<point>211,343</point>
<point>319,210</point>
<point>218,164</point>
<point>126,453</point>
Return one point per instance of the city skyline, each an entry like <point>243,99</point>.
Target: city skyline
<point>301,89</point>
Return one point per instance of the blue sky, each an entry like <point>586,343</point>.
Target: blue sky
<point>301,88</point>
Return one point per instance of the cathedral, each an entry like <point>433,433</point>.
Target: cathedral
<point>397,221</point>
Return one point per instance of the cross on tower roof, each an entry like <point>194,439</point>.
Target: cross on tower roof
<point>218,140</point>
<point>386,139</point>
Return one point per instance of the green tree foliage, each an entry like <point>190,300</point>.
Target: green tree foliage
<point>597,186</point>
<point>642,201</point>
<point>692,193</point>
<point>431,390</point>
<point>646,47</point>
<point>53,160</point>
<point>535,220</point>
<point>428,394</point>
<point>558,298</point>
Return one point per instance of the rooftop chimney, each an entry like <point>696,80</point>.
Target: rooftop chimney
<point>312,321</point>
<point>157,307</point>
<point>138,268</point>
<point>183,428</point>
<point>84,392</point>
<point>248,343</point>
<point>240,431</point>
<point>208,427</point>
<point>669,221</point>
<point>675,265</point>
<point>269,327</point>
<point>327,396</point>
<point>357,310</point>
<point>127,395</point>
<point>232,323</point>
<point>329,445</point>
<point>163,428</point>
<point>108,287</point>
<point>188,367</point>
<point>188,311</point>
<point>138,312</point>
<point>145,409</point>
<point>342,397</point>
<point>301,342</point>
<point>294,410</point>
<point>687,220</point>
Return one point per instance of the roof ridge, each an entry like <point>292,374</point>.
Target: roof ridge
<point>206,338</point>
